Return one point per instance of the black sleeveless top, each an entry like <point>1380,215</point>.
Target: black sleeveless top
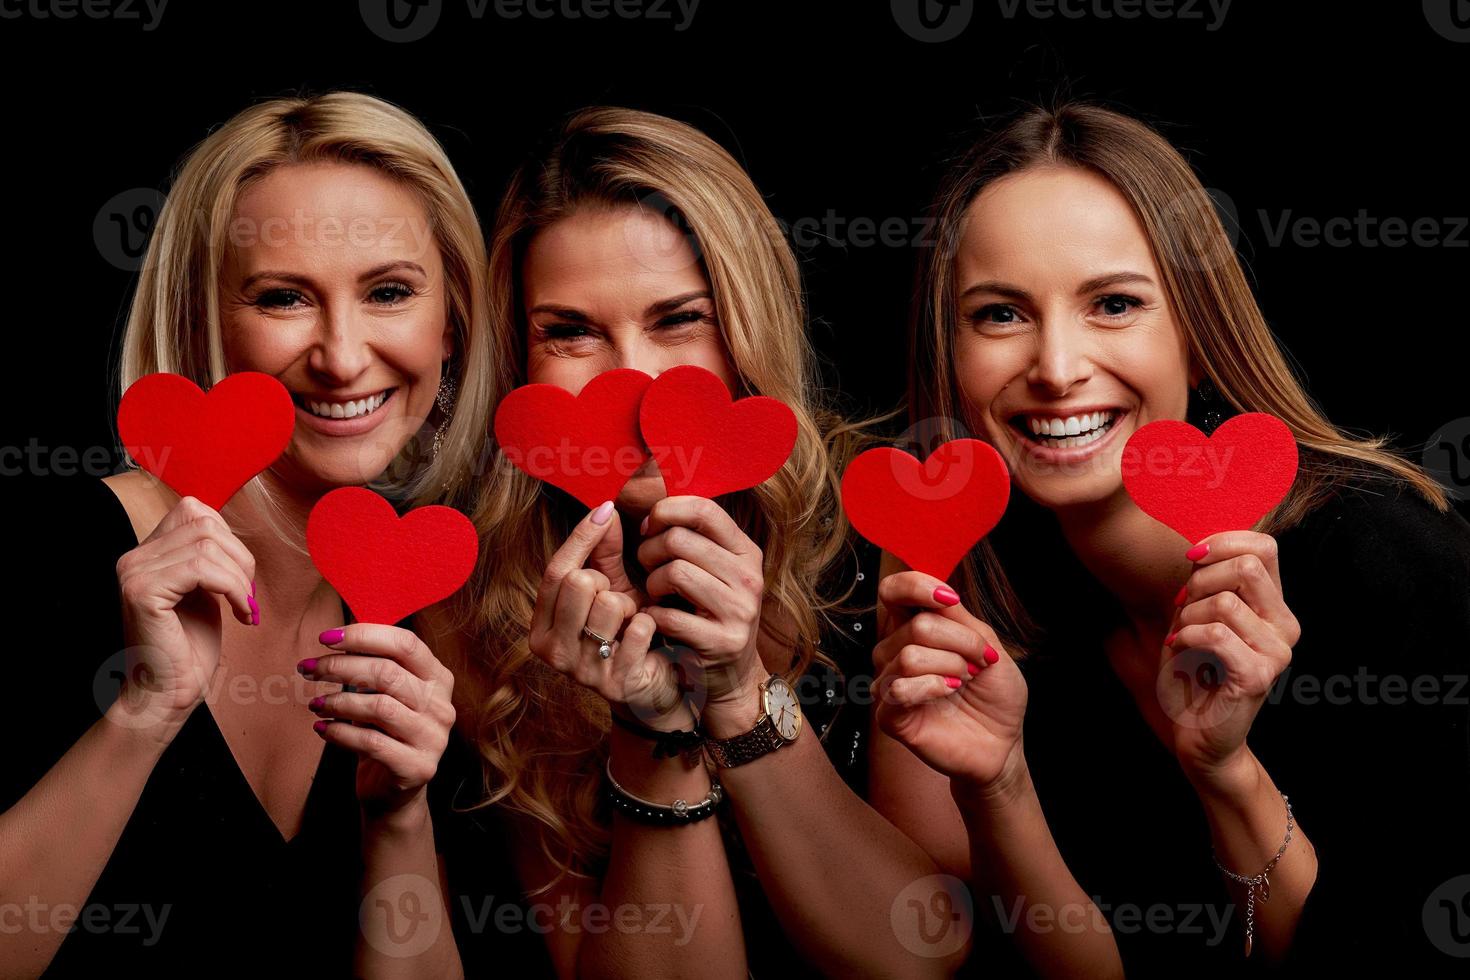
<point>1367,733</point>
<point>201,882</point>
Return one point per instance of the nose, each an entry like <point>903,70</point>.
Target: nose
<point>340,350</point>
<point>1062,359</point>
<point>642,354</point>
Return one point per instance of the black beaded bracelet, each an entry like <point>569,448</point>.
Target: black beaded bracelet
<point>679,812</point>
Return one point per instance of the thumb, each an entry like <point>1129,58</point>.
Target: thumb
<point>607,556</point>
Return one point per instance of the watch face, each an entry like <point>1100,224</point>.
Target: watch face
<point>780,703</point>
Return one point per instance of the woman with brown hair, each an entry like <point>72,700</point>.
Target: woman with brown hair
<point>1118,728</point>
<point>230,791</point>
<point>635,241</point>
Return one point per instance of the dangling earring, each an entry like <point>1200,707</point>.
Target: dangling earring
<point>444,398</point>
<point>1206,408</point>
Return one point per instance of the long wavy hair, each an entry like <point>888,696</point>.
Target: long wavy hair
<point>174,321</point>
<point>540,735</point>
<point>1207,291</point>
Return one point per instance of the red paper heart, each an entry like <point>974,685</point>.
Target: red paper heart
<point>206,445</point>
<point>387,567</point>
<point>707,445</point>
<point>1200,485</point>
<point>588,444</point>
<point>928,514</point>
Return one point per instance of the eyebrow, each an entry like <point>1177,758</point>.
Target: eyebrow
<point>301,280</point>
<point>653,309</point>
<point>1090,286</point>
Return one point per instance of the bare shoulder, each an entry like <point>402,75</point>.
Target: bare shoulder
<point>144,499</point>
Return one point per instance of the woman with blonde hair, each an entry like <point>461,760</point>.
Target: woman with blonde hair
<point>593,642</point>
<point>1123,782</point>
<point>230,791</point>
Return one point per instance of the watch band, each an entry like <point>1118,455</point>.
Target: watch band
<point>747,746</point>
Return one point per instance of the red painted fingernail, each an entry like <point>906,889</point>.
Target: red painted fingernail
<point>320,727</point>
<point>953,681</point>
<point>328,637</point>
<point>1183,594</point>
<point>990,655</point>
<point>972,669</point>
<point>316,703</point>
<point>1169,640</point>
<point>307,666</point>
<point>946,596</point>
<point>1197,552</point>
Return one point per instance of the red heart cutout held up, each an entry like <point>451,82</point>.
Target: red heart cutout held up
<point>387,567</point>
<point>707,445</point>
<point>588,444</point>
<point>206,445</point>
<point>1200,485</point>
<point>928,514</point>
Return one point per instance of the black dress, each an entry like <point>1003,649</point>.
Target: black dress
<point>1378,776</point>
<point>201,882</point>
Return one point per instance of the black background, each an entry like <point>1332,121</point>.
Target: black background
<point>841,116</point>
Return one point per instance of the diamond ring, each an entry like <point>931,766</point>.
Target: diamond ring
<point>604,648</point>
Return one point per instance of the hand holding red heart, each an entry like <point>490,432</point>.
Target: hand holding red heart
<point>946,689</point>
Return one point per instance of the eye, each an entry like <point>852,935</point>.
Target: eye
<point>390,293</point>
<point>685,317</point>
<point>1001,313</point>
<point>278,299</point>
<point>1118,304</point>
<point>563,331</point>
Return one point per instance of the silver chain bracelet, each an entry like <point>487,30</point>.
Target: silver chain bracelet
<point>1260,882</point>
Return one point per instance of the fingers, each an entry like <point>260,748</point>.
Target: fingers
<point>571,556</point>
<point>160,583</point>
<point>1233,544</point>
<point>410,765</point>
<point>904,593</point>
<point>384,676</point>
<point>689,580</point>
<point>1247,577</point>
<point>197,519</point>
<point>609,611</point>
<point>699,514</point>
<point>679,541</point>
<point>1252,673</point>
<point>386,713</point>
<point>397,644</point>
<point>573,607</point>
<point>607,556</point>
<point>910,692</point>
<point>687,628</point>
<point>933,630</point>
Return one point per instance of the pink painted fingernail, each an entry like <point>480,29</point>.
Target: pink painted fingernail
<point>643,525</point>
<point>328,637</point>
<point>1197,552</point>
<point>990,655</point>
<point>972,669</point>
<point>953,681</point>
<point>1183,594</point>
<point>603,512</point>
<point>1169,640</point>
<point>252,586</point>
<point>254,610</point>
<point>307,666</point>
<point>944,595</point>
<point>315,704</point>
<point>320,727</point>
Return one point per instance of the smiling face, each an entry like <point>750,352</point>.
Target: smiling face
<point>1065,343</point>
<point>618,287</point>
<point>333,284</point>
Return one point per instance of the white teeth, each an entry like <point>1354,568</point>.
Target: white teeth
<point>347,410</point>
<point>1075,430</point>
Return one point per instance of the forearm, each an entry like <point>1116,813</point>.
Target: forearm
<point>789,798</point>
<point>1019,875</point>
<point>55,840</point>
<point>668,899</point>
<point>401,871</point>
<point>1247,820</point>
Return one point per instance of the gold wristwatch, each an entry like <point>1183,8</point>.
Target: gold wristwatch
<point>778,725</point>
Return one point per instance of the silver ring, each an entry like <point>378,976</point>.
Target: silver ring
<point>604,648</point>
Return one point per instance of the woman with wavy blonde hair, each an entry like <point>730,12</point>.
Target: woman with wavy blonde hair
<point>1095,772</point>
<point>635,241</point>
<point>325,241</point>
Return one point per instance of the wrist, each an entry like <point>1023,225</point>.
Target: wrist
<point>1234,777</point>
<point>404,819</point>
<point>738,711</point>
<point>995,795</point>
